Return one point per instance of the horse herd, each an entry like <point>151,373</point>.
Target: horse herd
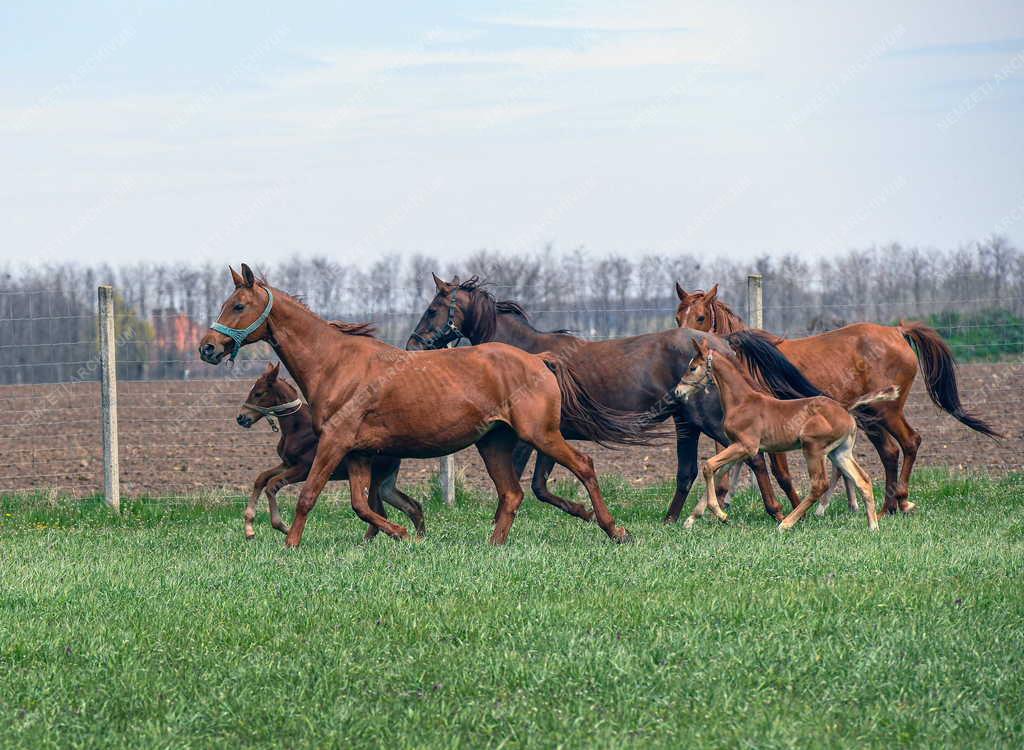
<point>361,405</point>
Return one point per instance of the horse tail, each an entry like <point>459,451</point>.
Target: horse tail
<point>759,352</point>
<point>886,394</point>
<point>939,370</point>
<point>592,419</point>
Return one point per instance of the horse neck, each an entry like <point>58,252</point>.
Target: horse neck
<point>512,330</point>
<point>733,388</point>
<point>303,340</point>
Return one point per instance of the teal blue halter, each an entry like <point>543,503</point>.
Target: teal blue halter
<point>239,335</point>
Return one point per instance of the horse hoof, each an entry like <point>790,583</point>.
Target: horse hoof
<point>783,528</point>
<point>908,507</point>
<point>669,520</point>
<point>624,537</point>
<point>688,523</point>
<point>249,537</point>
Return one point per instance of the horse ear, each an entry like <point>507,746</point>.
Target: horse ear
<point>712,294</point>
<point>702,346</point>
<point>455,281</point>
<point>680,292</point>
<point>441,284</point>
<point>247,276</point>
<point>272,372</point>
<point>239,281</point>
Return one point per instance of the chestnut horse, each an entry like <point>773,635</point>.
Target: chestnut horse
<point>368,398</point>
<point>756,422</point>
<point>849,362</point>
<point>634,374</point>
<point>279,402</point>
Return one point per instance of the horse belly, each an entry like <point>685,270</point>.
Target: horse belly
<point>428,427</point>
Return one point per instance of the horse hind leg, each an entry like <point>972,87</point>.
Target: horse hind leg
<point>780,470</point>
<point>541,472</point>
<point>395,497</point>
<point>554,445</point>
<point>854,475</point>
<point>909,440</point>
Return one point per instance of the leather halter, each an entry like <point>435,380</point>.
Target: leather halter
<point>707,379</point>
<point>239,335</point>
<point>273,413</point>
<point>447,333</point>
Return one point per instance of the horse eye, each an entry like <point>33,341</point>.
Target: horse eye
<point>700,318</point>
<point>239,307</point>
<point>431,313</point>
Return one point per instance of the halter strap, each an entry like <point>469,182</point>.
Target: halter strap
<point>446,334</point>
<point>239,335</point>
<point>273,413</point>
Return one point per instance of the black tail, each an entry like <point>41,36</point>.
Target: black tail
<point>939,370</point>
<point>592,419</point>
<point>770,366</point>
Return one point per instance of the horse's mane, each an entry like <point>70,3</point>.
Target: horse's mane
<point>354,329</point>
<point>351,329</point>
<point>483,310</point>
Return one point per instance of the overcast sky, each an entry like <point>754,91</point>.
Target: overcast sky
<point>248,130</point>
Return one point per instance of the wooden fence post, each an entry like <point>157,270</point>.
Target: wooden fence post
<point>755,301</point>
<point>446,471</point>
<point>108,398</point>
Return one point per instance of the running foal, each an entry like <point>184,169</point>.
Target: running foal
<point>755,421</point>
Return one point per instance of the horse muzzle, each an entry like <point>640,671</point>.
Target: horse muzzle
<point>244,420</point>
<point>212,351</point>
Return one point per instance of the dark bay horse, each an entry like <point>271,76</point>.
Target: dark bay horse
<point>277,400</point>
<point>368,398</point>
<point>634,374</point>
<point>846,364</point>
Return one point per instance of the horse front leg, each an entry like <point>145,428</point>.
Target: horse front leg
<point>686,467</point>
<point>720,462</point>
<point>257,490</point>
<point>360,478</point>
<point>329,453</point>
<point>293,475</point>
<point>764,485</point>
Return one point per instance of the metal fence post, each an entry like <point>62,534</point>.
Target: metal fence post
<point>755,301</point>
<point>108,398</point>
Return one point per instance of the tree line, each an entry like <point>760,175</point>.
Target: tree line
<point>48,329</point>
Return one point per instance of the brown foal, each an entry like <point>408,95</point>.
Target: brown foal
<point>846,364</point>
<point>368,398</point>
<point>279,401</point>
<point>755,421</point>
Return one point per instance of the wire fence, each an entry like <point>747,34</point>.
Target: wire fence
<point>176,415</point>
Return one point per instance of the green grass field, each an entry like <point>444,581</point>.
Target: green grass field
<point>163,628</point>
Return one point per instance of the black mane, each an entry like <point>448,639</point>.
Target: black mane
<point>483,310</point>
